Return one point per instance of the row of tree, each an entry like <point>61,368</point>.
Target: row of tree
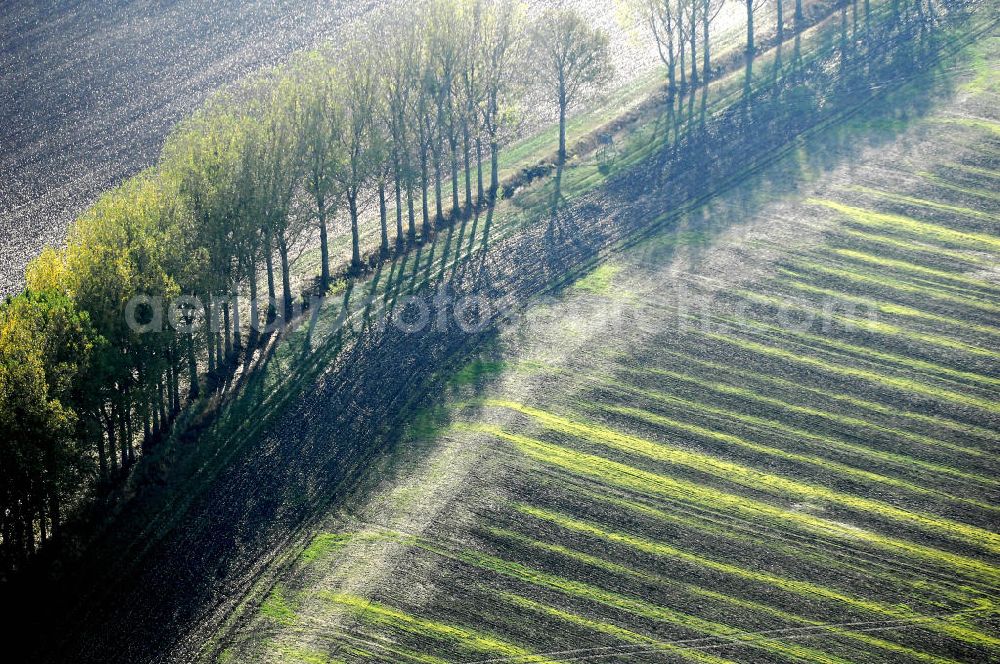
<point>90,371</point>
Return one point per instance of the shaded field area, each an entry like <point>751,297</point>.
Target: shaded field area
<point>766,432</point>
<point>255,546</point>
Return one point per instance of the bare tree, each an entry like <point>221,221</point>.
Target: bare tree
<point>574,60</point>
<point>500,42</point>
<point>360,140</point>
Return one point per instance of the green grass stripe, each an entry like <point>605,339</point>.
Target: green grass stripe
<point>833,346</point>
<point>633,605</point>
<point>904,266</point>
<point>811,460</point>
<point>936,250</point>
<point>693,590</point>
<point>893,382</point>
<point>646,482</point>
<point>919,228</point>
<point>941,182</point>
<point>871,326</point>
<point>624,635</point>
<point>751,478</point>
<point>850,400</point>
<point>463,637</point>
<point>923,202</point>
<point>793,586</point>
<point>871,452</point>
<point>878,280</point>
<point>975,123</point>
<point>800,547</point>
<point>890,308</point>
<point>975,170</point>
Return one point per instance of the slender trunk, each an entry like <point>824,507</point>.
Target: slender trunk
<point>399,202</point>
<point>286,278</point>
<point>210,334</point>
<point>494,169</point>
<point>383,219</point>
<point>192,368</point>
<point>781,21</point>
<point>693,29</point>
<point>411,210</point>
<point>102,453</point>
<point>269,259</point>
<point>682,52</point>
<point>439,204</point>
<point>254,310</point>
<point>561,161</point>
<point>799,16</point>
<point>467,151</point>
<point>706,63</point>
<point>226,322</point>
<point>481,191</point>
<point>237,323</point>
<point>425,186</point>
<point>750,46</point>
<point>352,203</point>
<point>123,435</point>
<point>455,205</point>
<point>324,246</point>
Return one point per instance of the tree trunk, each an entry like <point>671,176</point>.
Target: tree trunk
<point>286,280</point>
<point>561,159</point>
<point>269,259</point>
<point>706,62</point>
<point>438,203</point>
<point>254,310</point>
<point>228,334</point>
<point>192,368</point>
<point>352,203</point>
<point>799,16</point>
<point>780,10</point>
<point>455,205</point>
<point>237,326</point>
<point>324,247</point>
<point>481,190</point>
<point>750,45</point>
<point>425,189</point>
<point>383,219</point>
<point>694,43</point>
<point>467,149</point>
<point>399,203</point>
<point>494,169</point>
<point>210,333</point>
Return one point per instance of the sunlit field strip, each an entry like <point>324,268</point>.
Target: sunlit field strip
<point>693,591</point>
<point>886,239</point>
<point>865,354</point>
<point>800,389</point>
<point>753,396</point>
<point>924,202</point>
<point>885,306</point>
<point>939,181</point>
<point>629,604</point>
<point>837,556</point>
<point>821,443</point>
<point>900,223</point>
<point>982,288</point>
<point>901,384</point>
<point>871,326</point>
<point>871,278</point>
<point>792,586</point>
<point>655,484</point>
<point>754,479</point>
